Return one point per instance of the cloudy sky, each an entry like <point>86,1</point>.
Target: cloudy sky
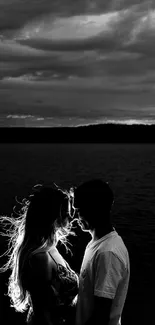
<point>73,62</point>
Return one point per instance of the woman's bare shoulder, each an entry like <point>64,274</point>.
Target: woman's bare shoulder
<point>39,256</point>
<point>40,263</point>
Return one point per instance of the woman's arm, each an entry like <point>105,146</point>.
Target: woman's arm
<point>74,301</point>
<point>42,271</point>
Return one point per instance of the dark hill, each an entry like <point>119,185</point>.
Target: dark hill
<point>101,133</point>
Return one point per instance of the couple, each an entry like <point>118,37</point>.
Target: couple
<point>42,282</point>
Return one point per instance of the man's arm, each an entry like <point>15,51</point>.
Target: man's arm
<point>101,313</point>
<point>108,273</point>
<point>102,307</point>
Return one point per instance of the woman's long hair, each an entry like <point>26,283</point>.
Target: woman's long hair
<point>43,220</point>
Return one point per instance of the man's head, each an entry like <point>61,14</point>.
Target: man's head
<point>93,200</point>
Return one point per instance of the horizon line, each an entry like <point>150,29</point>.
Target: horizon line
<point>70,122</point>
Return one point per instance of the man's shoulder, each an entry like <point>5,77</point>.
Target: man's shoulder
<point>114,242</point>
<point>115,248</point>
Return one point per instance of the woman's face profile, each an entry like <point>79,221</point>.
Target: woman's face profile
<point>65,213</point>
<point>81,216</point>
<point>84,225</point>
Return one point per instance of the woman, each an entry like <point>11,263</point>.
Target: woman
<point>41,281</point>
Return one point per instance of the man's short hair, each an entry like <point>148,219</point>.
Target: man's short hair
<point>94,194</point>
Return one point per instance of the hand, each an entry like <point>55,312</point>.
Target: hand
<point>74,301</point>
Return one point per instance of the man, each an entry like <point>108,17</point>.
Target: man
<point>105,270</point>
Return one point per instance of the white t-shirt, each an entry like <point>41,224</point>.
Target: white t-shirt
<point>105,272</point>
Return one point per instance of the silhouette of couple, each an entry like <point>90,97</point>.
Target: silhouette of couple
<point>42,283</point>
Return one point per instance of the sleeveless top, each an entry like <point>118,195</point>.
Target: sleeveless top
<point>64,287</point>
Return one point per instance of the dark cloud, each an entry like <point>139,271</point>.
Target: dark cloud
<point>16,13</point>
<point>46,72</point>
<point>125,42</point>
<point>125,67</point>
<point>97,42</point>
<point>16,65</point>
<point>118,34</point>
<point>95,66</point>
